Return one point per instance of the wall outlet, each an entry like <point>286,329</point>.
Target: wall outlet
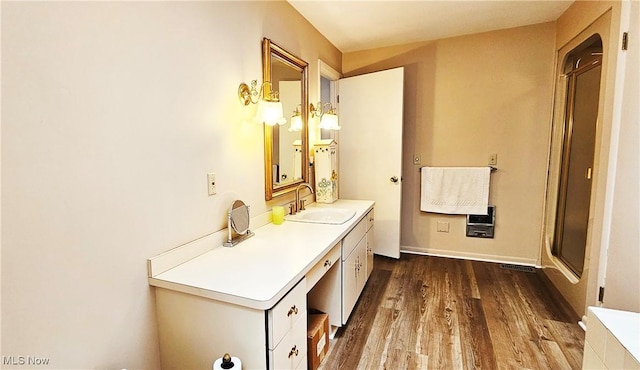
<point>211,182</point>
<point>493,159</point>
<point>443,226</point>
<point>416,159</point>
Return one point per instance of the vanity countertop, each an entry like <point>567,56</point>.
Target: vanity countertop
<point>258,272</point>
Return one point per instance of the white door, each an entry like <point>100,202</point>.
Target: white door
<point>370,149</point>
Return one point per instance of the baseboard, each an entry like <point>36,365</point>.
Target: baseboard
<point>583,323</point>
<point>469,256</point>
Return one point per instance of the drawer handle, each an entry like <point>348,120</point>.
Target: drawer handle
<point>294,351</point>
<point>327,263</point>
<point>293,310</point>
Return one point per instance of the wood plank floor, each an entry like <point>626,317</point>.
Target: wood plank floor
<point>423,312</point>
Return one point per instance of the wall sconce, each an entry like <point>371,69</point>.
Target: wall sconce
<point>296,121</point>
<point>328,117</point>
<point>270,110</point>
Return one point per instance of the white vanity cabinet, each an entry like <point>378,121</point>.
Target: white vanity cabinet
<point>194,331</point>
<point>349,264</point>
<point>252,300</point>
<point>357,263</point>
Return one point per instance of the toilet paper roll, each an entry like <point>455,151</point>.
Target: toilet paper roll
<point>227,362</point>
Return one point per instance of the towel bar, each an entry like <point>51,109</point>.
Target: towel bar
<point>492,168</point>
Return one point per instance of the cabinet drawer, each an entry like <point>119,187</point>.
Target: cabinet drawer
<point>317,272</point>
<point>292,349</point>
<point>370,219</point>
<point>355,235</point>
<point>284,315</point>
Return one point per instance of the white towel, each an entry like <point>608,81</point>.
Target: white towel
<point>455,190</point>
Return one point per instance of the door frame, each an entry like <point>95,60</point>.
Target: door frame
<point>567,143</point>
<point>326,71</point>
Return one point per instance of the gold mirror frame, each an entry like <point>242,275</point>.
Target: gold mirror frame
<point>270,50</point>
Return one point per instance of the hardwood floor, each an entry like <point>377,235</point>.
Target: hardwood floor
<point>423,312</point>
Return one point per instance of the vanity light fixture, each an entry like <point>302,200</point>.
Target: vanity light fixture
<point>328,117</point>
<point>296,121</point>
<point>270,110</point>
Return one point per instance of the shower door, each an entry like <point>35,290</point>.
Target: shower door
<point>577,164</point>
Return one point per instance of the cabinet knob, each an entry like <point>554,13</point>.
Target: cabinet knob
<point>293,310</point>
<point>394,179</point>
<point>294,351</point>
<point>327,263</point>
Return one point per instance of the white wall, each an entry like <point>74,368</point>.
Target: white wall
<point>622,283</point>
<point>112,115</point>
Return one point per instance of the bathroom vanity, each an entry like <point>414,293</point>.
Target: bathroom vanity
<point>251,300</point>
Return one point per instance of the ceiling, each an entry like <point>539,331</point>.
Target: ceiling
<point>360,25</point>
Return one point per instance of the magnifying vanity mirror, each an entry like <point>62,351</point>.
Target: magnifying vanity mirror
<point>238,218</point>
<point>286,157</point>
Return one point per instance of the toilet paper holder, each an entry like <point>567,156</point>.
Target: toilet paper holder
<point>227,362</point>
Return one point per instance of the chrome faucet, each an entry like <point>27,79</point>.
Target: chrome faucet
<point>299,205</point>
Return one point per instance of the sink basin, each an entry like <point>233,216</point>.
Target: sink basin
<point>321,215</point>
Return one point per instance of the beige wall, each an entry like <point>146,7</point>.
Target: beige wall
<point>465,98</point>
<point>112,115</point>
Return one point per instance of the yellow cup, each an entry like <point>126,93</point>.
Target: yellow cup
<point>278,214</point>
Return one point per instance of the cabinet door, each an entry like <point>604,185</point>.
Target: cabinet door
<point>353,278</point>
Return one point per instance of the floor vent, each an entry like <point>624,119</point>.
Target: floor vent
<point>520,268</point>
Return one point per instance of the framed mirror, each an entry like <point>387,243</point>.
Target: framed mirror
<point>286,147</point>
